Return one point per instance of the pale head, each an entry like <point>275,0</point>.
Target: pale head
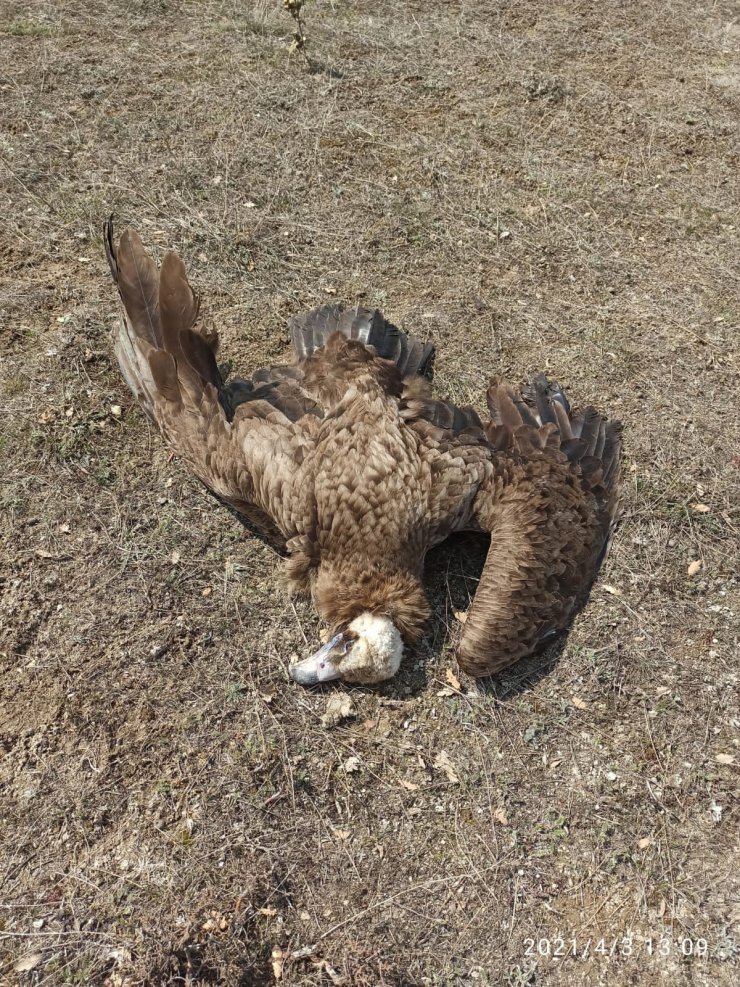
<point>368,651</point>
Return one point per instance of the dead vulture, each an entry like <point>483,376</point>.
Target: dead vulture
<point>346,461</point>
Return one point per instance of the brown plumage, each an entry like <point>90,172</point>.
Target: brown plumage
<point>345,460</point>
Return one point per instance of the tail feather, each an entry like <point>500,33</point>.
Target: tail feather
<point>562,418</point>
<point>507,408</point>
<point>542,395</point>
<point>587,425</point>
<point>310,331</point>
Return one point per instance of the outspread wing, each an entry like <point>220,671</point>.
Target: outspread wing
<point>241,440</point>
<point>549,506</point>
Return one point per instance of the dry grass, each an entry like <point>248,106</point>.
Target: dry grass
<point>530,185</point>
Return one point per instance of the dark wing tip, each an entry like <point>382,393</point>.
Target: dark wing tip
<point>110,249</point>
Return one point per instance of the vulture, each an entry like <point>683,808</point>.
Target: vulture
<point>346,462</point>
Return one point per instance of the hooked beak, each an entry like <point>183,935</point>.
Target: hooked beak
<point>319,667</point>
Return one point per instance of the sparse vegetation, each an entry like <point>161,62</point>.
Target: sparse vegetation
<point>532,186</point>
<point>25,28</point>
<point>295,9</point>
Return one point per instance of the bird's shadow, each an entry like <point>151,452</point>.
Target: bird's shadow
<point>452,574</point>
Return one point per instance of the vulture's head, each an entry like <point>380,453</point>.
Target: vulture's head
<point>369,650</point>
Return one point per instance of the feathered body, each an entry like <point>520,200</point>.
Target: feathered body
<point>345,459</point>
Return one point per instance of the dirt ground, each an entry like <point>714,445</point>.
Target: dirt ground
<point>530,185</point>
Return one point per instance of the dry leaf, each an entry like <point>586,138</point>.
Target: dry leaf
<point>500,816</point>
<point>578,703</point>
<point>339,707</point>
<point>116,411</point>
<point>266,697</point>
<point>269,912</point>
<point>700,508</point>
<point>342,834</point>
<point>460,615</point>
<point>725,758</point>
<point>442,761</point>
<point>446,691</point>
<point>278,959</point>
<point>207,591</point>
<point>610,589</point>
<point>29,962</point>
<point>352,764</point>
<point>694,567</point>
<point>410,786</point>
<point>644,842</point>
<point>452,679</point>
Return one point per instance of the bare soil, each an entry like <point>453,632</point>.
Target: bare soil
<point>534,185</point>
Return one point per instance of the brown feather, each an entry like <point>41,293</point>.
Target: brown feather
<point>198,355</point>
<point>138,285</point>
<point>178,311</point>
<point>549,507</point>
<point>164,372</point>
<point>310,331</point>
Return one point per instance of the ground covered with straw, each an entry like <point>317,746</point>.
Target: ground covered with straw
<point>532,186</point>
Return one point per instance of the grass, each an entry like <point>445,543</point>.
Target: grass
<point>22,28</point>
<point>530,186</point>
